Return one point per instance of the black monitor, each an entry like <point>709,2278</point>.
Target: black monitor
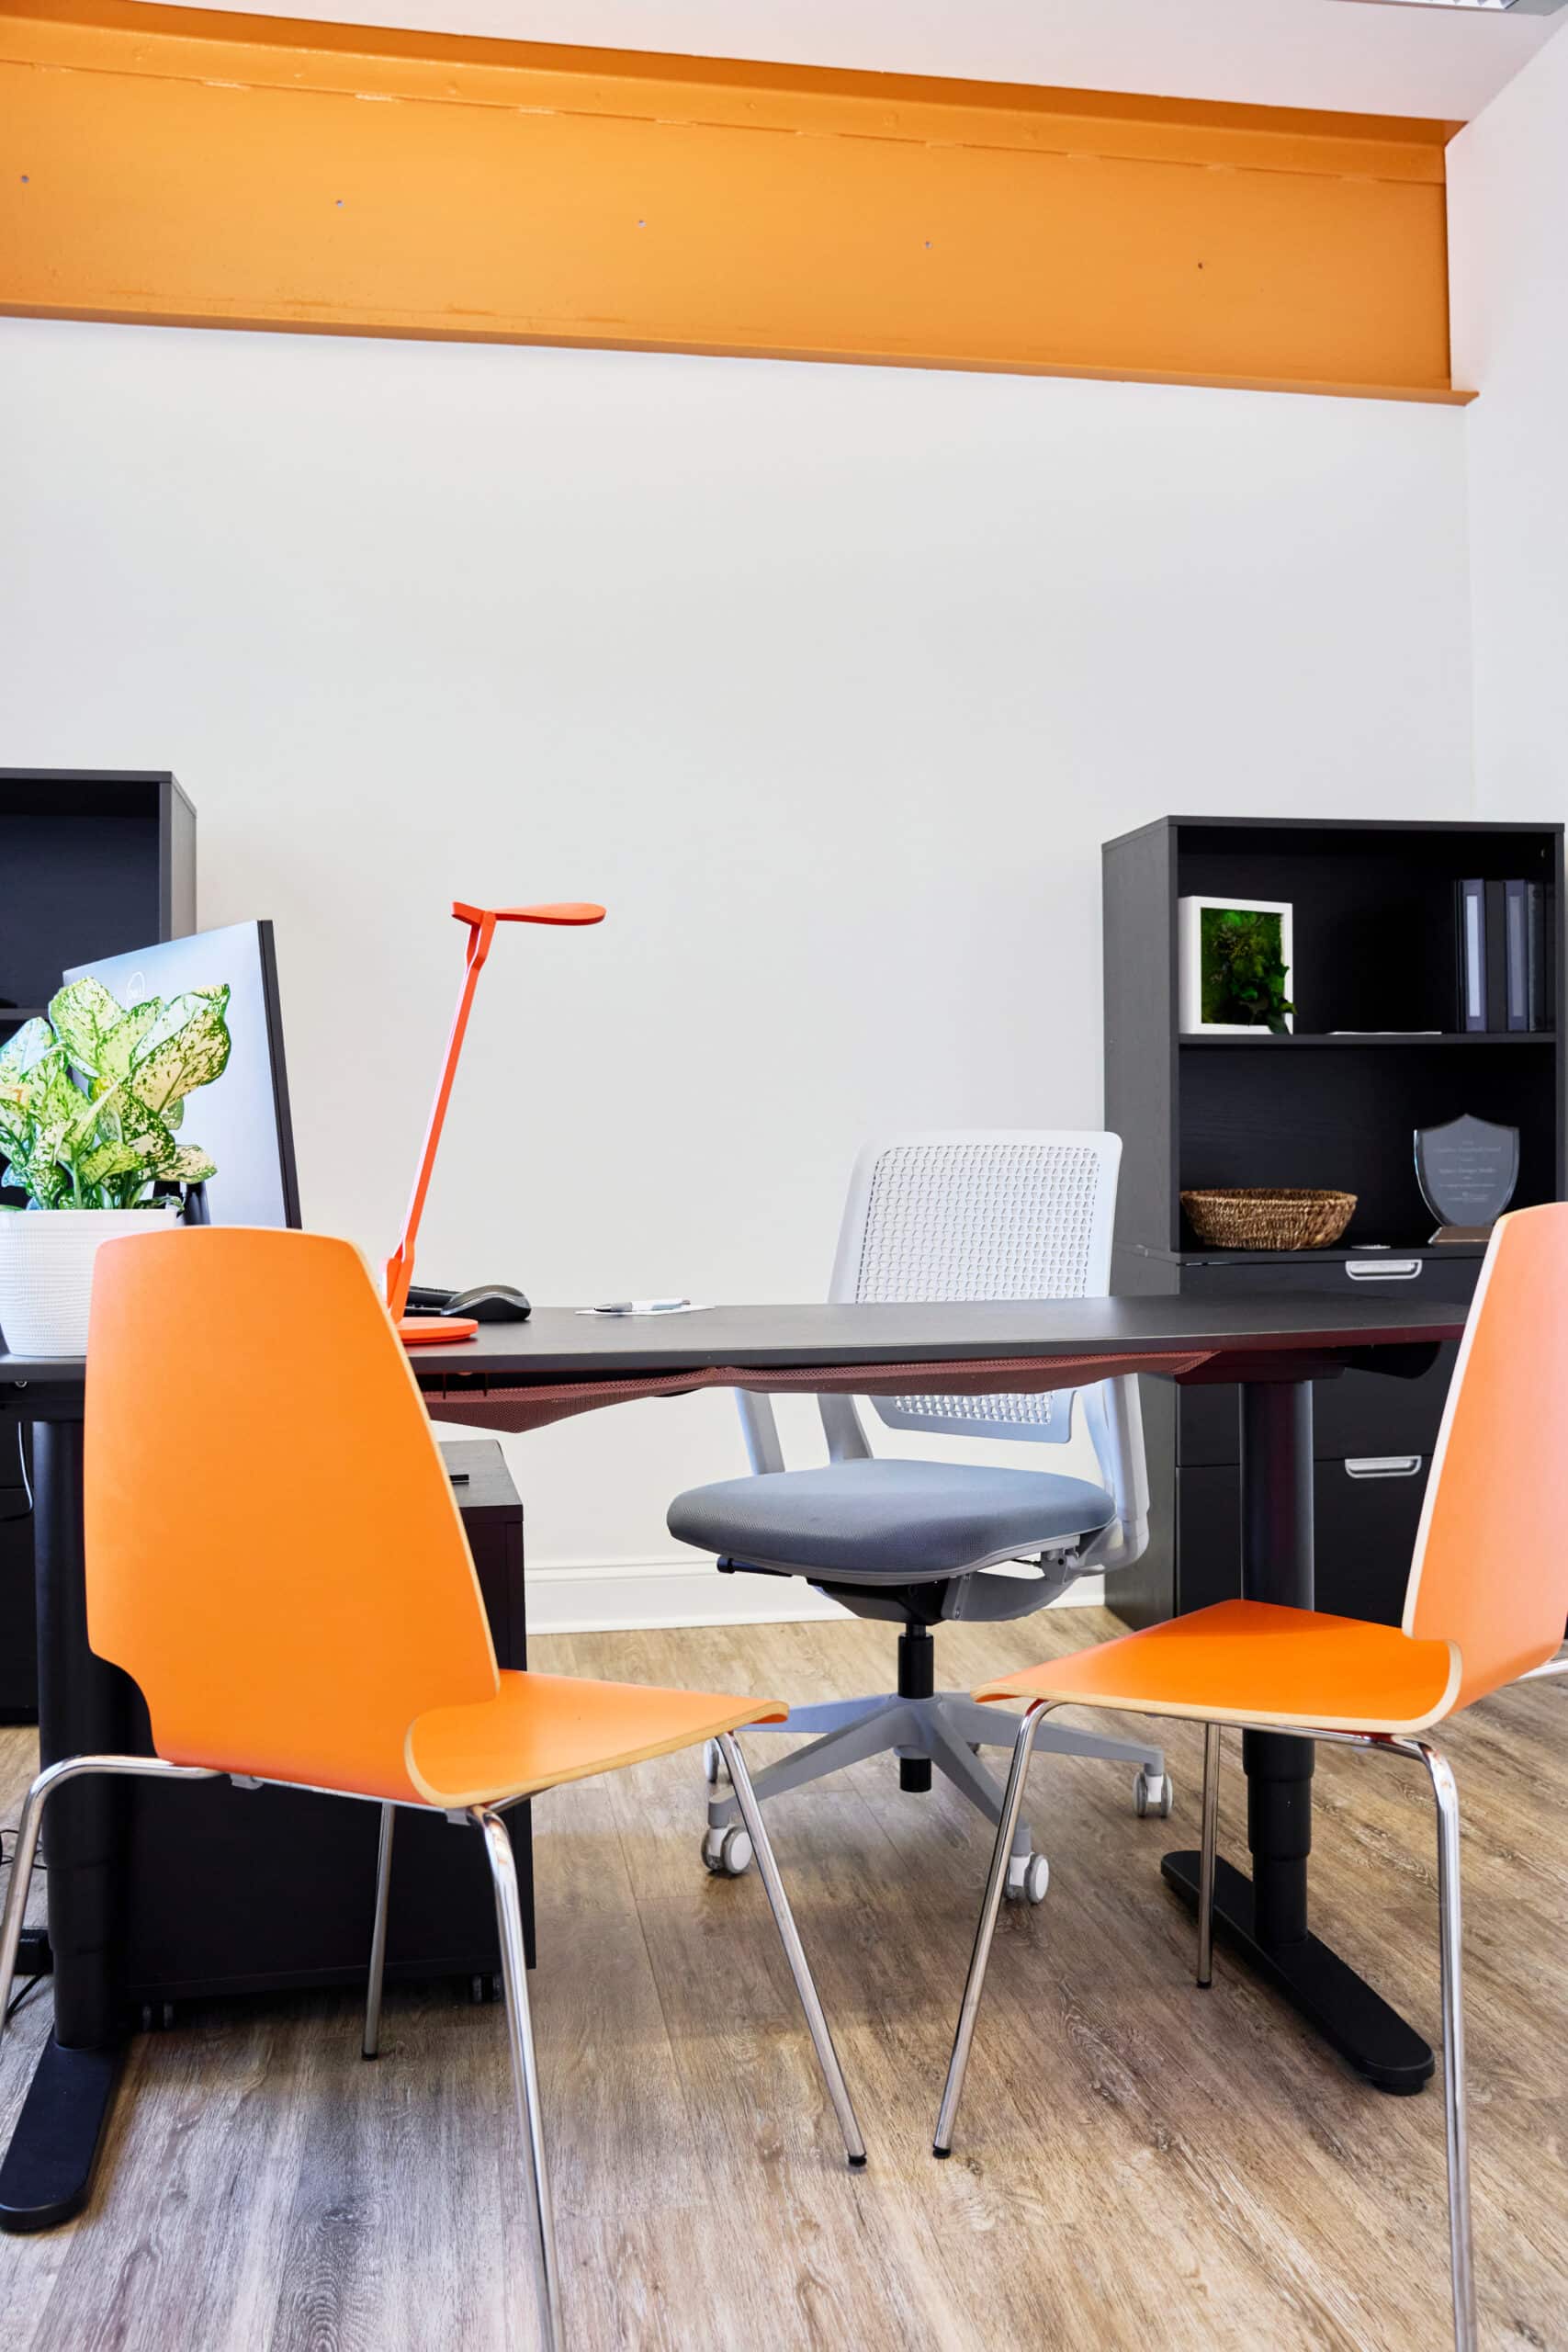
<point>241,1119</point>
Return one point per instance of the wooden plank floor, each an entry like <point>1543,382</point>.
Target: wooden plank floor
<point>1139,2164</point>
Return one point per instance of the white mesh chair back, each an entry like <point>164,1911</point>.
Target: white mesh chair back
<point>1010,1213</point>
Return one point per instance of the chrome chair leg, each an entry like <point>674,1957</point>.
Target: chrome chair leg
<point>525,2073</point>
<point>54,1776</point>
<point>1012,1805</point>
<point>1206,1857</point>
<point>783,1920</point>
<point>1461,2264</point>
<point>371,2044</point>
<point>23,1856</point>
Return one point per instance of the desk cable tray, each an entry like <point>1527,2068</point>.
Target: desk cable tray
<point>476,1401</point>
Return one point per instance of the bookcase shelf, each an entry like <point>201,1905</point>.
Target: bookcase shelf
<point>1412,1040</point>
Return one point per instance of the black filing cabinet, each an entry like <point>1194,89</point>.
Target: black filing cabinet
<point>1375,1054</point>
<point>267,1890</point>
<point>1373,1439</point>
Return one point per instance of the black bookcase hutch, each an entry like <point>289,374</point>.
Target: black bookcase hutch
<point>92,861</point>
<point>1374,949</point>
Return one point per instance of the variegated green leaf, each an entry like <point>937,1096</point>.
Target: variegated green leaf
<point>149,1138</point>
<point>23,1049</point>
<point>119,1045</point>
<point>173,1058</point>
<point>107,1159</point>
<point>85,1014</point>
<point>190,1165</point>
<point>14,1118</point>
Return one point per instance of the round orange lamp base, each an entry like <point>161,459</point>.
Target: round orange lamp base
<point>435,1330</point>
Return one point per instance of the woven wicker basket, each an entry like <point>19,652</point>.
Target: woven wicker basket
<point>1259,1219</point>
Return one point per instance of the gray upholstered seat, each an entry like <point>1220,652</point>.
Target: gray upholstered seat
<point>860,1523</point>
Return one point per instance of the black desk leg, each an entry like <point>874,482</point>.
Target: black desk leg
<point>48,2168</point>
<point>1266,1916</point>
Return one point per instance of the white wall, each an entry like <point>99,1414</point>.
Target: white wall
<point>1507,205</point>
<point>829,681</point>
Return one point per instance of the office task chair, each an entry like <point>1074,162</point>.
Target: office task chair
<point>273,1552</point>
<point>1484,1606</point>
<point>1009,1213</point>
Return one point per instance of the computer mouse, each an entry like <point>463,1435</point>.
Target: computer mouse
<point>492,1302</point>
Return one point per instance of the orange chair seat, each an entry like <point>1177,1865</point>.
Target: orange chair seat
<point>1249,1662</point>
<point>541,1729</point>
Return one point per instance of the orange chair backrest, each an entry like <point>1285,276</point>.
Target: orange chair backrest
<point>273,1551</point>
<point>1490,1572</point>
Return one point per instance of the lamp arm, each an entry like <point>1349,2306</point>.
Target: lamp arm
<point>400,1265</point>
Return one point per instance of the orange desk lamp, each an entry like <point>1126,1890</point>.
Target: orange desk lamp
<point>427,1330</point>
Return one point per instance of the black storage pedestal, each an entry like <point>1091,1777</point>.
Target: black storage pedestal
<point>221,1890</point>
<point>267,1890</point>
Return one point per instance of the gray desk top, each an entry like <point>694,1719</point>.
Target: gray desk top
<point>557,1344</point>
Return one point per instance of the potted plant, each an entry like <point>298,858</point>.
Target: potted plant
<point>91,1103</point>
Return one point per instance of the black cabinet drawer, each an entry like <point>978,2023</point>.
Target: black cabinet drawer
<point>1361,1412</point>
<point>1368,1275</point>
<point>1366,1511</point>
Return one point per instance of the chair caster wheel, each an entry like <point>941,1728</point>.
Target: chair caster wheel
<point>1153,1793</point>
<point>1028,1877</point>
<point>715,1770</point>
<point>726,1852</point>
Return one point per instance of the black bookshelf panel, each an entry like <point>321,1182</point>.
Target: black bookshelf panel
<point>92,863</point>
<point>1347,1120</point>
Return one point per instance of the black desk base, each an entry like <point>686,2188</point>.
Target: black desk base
<point>1351,2017</point>
<point>1265,1918</point>
<point>47,2172</point>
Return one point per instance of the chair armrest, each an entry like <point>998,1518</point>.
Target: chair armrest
<point>760,1428</point>
<point>1115,1421</point>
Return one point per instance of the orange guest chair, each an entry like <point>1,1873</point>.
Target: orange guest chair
<point>1484,1606</point>
<point>285,1574</point>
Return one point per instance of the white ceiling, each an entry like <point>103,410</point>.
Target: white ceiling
<point>1350,54</point>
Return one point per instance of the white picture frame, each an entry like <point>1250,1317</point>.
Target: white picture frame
<point>1189,938</point>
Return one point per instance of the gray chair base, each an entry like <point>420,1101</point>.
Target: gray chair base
<point>943,1731</point>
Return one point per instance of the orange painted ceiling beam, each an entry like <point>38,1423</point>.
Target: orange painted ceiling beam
<point>189,167</point>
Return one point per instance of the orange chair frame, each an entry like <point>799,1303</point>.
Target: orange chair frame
<point>1498,1489</point>
<point>292,1589</point>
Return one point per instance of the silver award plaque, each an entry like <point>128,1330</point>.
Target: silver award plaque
<point>1467,1171</point>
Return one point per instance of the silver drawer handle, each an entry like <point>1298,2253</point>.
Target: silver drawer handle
<point>1383,1270</point>
<point>1384,1466</point>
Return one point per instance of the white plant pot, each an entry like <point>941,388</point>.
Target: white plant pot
<point>46,1271</point>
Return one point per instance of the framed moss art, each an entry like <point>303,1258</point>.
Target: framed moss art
<point>1235,966</point>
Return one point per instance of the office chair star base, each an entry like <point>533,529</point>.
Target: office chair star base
<point>943,1731</point>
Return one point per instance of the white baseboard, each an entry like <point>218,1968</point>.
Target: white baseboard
<point>624,1596</point>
